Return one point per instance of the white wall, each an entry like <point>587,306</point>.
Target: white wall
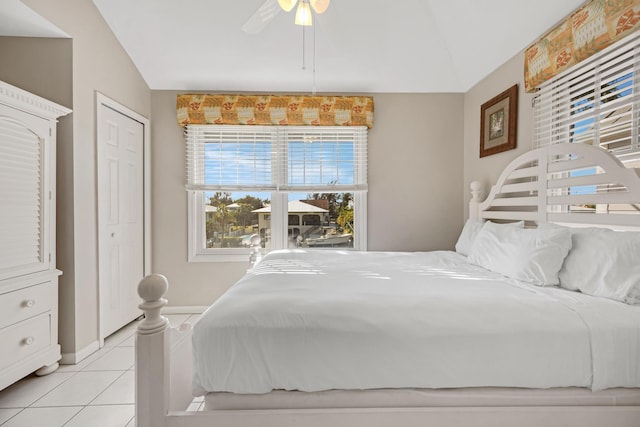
<point>99,64</point>
<point>487,169</point>
<point>415,181</point>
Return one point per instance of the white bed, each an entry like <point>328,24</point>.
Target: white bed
<point>308,321</point>
<point>427,337</point>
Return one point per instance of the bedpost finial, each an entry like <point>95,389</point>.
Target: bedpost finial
<point>474,204</point>
<point>151,289</point>
<point>476,190</point>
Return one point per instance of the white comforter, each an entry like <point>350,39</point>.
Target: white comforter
<point>324,320</point>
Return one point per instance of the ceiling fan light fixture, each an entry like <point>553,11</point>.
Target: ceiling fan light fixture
<point>287,5</point>
<point>320,5</point>
<point>303,14</point>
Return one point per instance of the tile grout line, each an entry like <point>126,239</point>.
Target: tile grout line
<point>88,404</point>
<point>105,389</point>
<point>73,374</point>
<point>13,416</point>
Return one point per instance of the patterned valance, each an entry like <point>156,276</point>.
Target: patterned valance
<point>588,30</point>
<point>275,110</point>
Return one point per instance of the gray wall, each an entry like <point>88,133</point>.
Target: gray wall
<point>487,169</point>
<point>415,181</point>
<point>415,172</point>
<point>39,65</point>
<point>190,284</point>
<point>100,64</point>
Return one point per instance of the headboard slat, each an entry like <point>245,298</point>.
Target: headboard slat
<point>525,172</point>
<point>587,199</point>
<point>574,164</point>
<point>593,219</point>
<point>576,181</point>
<point>510,215</point>
<point>520,187</point>
<point>516,201</point>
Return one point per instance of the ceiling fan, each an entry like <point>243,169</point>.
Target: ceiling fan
<point>271,8</point>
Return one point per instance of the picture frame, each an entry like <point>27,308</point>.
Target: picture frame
<point>499,122</point>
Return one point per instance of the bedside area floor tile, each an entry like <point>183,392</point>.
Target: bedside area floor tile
<point>99,391</point>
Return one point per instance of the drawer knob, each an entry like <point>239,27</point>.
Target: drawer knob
<point>29,303</point>
<point>28,340</point>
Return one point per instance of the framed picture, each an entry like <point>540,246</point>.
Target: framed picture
<point>498,122</point>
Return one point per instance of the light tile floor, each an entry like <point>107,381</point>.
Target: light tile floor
<point>97,392</point>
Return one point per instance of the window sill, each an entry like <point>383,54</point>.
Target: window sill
<point>220,255</point>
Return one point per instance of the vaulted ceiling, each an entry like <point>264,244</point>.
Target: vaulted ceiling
<point>412,46</point>
<point>360,45</point>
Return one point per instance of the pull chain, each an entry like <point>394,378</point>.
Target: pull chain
<point>303,49</point>
<point>313,87</point>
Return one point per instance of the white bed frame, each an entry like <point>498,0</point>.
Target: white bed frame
<point>535,187</point>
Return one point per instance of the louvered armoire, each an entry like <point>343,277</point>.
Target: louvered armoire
<point>28,274</point>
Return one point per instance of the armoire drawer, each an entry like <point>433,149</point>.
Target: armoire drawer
<point>24,339</point>
<point>26,302</point>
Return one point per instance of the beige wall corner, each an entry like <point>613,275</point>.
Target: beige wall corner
<point>487,169</point>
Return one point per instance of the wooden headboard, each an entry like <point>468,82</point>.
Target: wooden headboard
<point>563,183</point>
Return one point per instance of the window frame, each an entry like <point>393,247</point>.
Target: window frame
<point>196,216</point>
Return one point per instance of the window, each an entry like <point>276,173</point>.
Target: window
<point>294,186</point>
<point>596,102</point>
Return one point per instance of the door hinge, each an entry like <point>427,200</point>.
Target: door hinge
<point>49,195</point>
<point>49,257</point>
<point>50,132</point>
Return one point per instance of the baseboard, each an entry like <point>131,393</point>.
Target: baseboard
<point>73,358</point>
<point>185,309</point>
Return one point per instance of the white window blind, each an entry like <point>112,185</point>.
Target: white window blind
<point>596,102</point>
<point>20,195</point>
<point>314,159</point>
<point>272,158</point>
<point>318,172</point>
<point>229,158</point>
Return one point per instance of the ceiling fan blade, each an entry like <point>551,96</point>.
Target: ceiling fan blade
<point>259,20</point>
<point>320,5</point>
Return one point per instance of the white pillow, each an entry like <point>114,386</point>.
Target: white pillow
<point>604,263</point>
<point>531,255</point>
<point>468,236</point>
<point>470,231</point>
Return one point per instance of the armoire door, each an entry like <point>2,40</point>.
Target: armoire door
<point>24,193</point>
<point>120,217</point>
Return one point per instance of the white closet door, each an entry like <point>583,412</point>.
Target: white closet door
<point>23,193</point>
<point>120,217</point>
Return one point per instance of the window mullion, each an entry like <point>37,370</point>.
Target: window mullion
<point>279,214</point>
